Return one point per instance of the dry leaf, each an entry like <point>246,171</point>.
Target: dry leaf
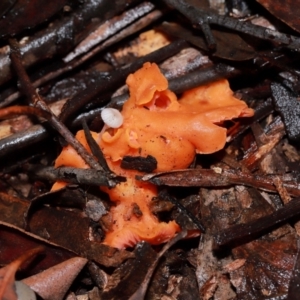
<point>7,274</point>
<point>53,283</point>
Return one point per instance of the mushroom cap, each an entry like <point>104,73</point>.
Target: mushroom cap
<point>157,124</point>
<point>112,117</point>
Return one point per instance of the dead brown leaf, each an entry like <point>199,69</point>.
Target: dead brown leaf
<point>7,274</point>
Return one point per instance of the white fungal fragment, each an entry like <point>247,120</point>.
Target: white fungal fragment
<point>112,117</point>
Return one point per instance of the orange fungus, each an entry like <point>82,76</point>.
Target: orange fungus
<point>156,123</point>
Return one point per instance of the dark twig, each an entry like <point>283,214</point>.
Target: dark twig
<point>211,178</point>
<point>210,40</point>
<point>199,17</point>
<point>94,147</point>
<point>23,110</point>
<point>64,33</point>
<point>138,25</point>
<point>72,175</point>
<point>202,76</point>
<point>110,28</point>
<point>258,226</point>
<point>37,101</point>
<point>165,196</point>
<point>33,135</point>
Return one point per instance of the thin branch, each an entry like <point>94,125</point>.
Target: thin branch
<point>23,110</point>
<point>95,147</point>
<point>72,175</point>
<point>37,101</point>
<point>220,178</point>
<point>258,226</point>
<point>199,17</point>
<point>136,26</point>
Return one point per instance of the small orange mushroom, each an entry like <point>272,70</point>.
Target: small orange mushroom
<point>155,123</point>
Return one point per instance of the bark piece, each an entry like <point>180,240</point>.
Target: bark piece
<point>288,105</point>
<point>27,14</point>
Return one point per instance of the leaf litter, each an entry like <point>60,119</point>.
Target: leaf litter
<point>245,195</point>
